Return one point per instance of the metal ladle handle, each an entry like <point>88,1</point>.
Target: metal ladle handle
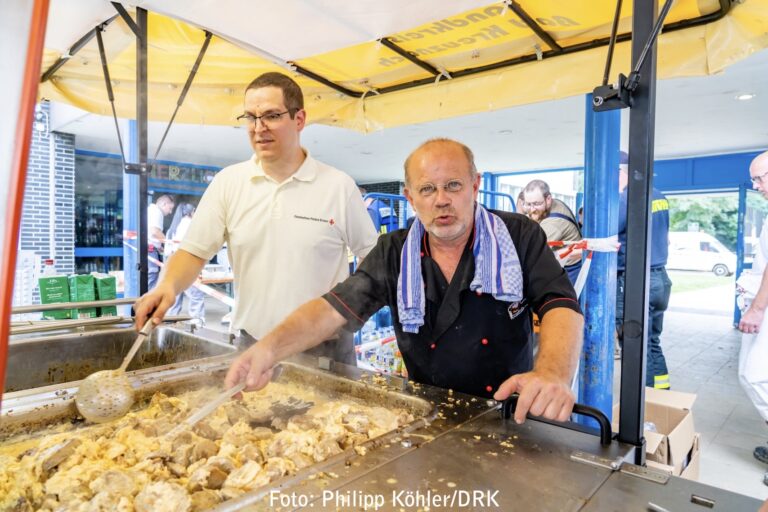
<point>143,334</point>
<point>211,406</point>
<point>206,410</point>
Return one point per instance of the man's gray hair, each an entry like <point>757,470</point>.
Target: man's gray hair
<point>443,140</point>
<point>165,198</point>
<point>539,185</point>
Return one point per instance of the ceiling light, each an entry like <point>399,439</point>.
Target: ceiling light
<point>745,97</point>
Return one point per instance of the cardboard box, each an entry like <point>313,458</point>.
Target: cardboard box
<point>53,290</point>
<point>81,289</point>
<point>690,469</point>
<point>106,289</point>
<point>674,446</point>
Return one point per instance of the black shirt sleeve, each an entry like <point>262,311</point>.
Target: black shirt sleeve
<point>365,292</point>
<point>546,284</point>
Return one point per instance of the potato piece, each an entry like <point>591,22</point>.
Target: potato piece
<point>163,497</point>
<point>204,500</point>
<point>22,505</point>
<point>301,460</point>
<point>325,449</point>
<point>353,439</point>
<point>223,463</point>
<point>176,470</point>
<point>251,452</point>
<point>206,477</point>
<point>356,421</point>
<point>278,466</point>
<point>261,433</point>
<point>249,476</point>
<point>114,482</point>
<point>203,449</point>
<point>237,412</point>
<point>239,434</point>
<point>183,437</point>
<point>147,427</point>
<point>158,454</point>
<point>204,429</point>
<point>181,455</point>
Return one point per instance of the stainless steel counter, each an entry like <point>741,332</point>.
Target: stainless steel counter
<point>458,455</point>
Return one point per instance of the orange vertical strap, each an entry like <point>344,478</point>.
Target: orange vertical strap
<point>18,176</point>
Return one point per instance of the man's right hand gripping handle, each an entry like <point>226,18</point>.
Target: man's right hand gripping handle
<point>153,304</point>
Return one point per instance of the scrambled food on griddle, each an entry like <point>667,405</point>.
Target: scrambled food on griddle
<point>130,465</point>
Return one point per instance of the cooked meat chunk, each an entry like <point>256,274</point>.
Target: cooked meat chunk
<point>114,482</point>
<point>206,430</point>
<point>163,497</point>
<point>204,500</point>
<point>223,463</point>
<point>249,476</point>
<point>176,470</point>
<point>206,477</point>
<point>183,437</point>
<point>130,465</point>
<point>278,466</point>
<point>203,449</point>
<point>181,455</point>
<point>251,452</point>
<point>236,412</point>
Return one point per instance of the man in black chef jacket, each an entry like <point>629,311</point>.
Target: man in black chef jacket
<point>462,283</point>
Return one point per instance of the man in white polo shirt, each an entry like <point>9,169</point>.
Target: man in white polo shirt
<point>286,218</point>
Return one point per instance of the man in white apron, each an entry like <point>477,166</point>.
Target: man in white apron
<point>753,358</point>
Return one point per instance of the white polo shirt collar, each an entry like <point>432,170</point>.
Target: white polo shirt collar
<point>307,171</point>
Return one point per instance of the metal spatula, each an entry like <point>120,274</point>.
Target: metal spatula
<point>108,395</point>
<point>215,403</point>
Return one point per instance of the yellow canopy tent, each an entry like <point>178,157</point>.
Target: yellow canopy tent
<point>489,57</point>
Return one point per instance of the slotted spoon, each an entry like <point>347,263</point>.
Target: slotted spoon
<point>107,395</point>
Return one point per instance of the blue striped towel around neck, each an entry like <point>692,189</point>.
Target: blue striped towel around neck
<point>497,268</point>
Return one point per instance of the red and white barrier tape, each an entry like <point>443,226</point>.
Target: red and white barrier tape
<point>208,290</point>
<point>373,344</point>
<point>609,244</point>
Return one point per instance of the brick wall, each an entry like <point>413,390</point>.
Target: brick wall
<point>35,227</point>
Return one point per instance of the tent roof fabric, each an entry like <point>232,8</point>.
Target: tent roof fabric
<point>370,65</point>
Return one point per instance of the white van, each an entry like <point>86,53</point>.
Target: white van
<point>695,250</point>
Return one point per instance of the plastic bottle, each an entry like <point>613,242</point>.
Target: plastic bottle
<point>49,269</point>
<point>650,426</point>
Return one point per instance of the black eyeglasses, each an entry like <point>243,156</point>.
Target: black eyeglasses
<point>758,179</point>
<point>268,119</point>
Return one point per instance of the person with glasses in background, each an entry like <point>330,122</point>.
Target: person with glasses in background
<point>557,221</point>
<point>462,282</point>
<point>287,220</point>
<point>753,357</point>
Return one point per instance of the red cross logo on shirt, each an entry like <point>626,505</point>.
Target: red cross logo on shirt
<point>331,222</point>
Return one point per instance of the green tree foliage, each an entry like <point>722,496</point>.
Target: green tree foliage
<point>714,215</point>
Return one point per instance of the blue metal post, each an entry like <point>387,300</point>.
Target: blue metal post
<point>488,183</point>
<point>601,200</point>
<point>740,249</point>
<point>131,216</point>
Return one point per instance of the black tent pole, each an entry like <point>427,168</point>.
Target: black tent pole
<point>141,124</point>
<point>641,141</point>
